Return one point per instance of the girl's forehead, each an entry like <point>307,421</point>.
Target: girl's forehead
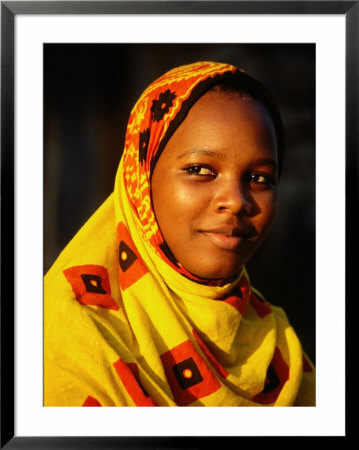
<point>222,125</point>
<point>218,112</point>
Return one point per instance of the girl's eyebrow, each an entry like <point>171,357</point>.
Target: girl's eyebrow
<point>266,162</point>
<point>199,151</point>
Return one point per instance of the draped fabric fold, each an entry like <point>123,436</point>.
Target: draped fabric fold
<point>126,325</point>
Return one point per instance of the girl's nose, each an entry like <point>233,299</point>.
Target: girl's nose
<point>233,197</point>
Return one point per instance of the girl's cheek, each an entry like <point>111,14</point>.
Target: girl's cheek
<point>189,193</point>
<point>268,198</point>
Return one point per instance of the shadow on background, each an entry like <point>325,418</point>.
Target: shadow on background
<point>89,91</point>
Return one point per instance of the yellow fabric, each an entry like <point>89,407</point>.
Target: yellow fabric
<point>125,325</point>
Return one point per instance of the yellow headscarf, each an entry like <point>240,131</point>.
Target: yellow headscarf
<point>126,325</point>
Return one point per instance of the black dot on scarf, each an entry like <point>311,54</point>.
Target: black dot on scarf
<point>187,373</point>
<point>126,256</point>
<point>93,283</point>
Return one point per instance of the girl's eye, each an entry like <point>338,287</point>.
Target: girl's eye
<point>199,170</point>
<point>261,179</point>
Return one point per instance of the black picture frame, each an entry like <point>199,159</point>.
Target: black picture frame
<point>9,10</point>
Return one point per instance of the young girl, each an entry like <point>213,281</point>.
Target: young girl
<point>150,304</point>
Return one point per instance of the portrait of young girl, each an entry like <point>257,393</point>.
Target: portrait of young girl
<point>179,225</point>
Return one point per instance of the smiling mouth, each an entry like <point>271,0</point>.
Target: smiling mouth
<point>227,239</point>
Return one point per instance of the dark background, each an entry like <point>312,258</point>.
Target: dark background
<point>89,91</point>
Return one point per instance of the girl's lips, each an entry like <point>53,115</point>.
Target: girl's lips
<point>223,241</point>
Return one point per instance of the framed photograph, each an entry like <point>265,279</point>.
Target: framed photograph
<point>71,72</point>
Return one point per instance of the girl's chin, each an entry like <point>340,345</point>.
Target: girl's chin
<point>219,273</point>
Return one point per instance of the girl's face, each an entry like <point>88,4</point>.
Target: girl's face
<point>214,188</point>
